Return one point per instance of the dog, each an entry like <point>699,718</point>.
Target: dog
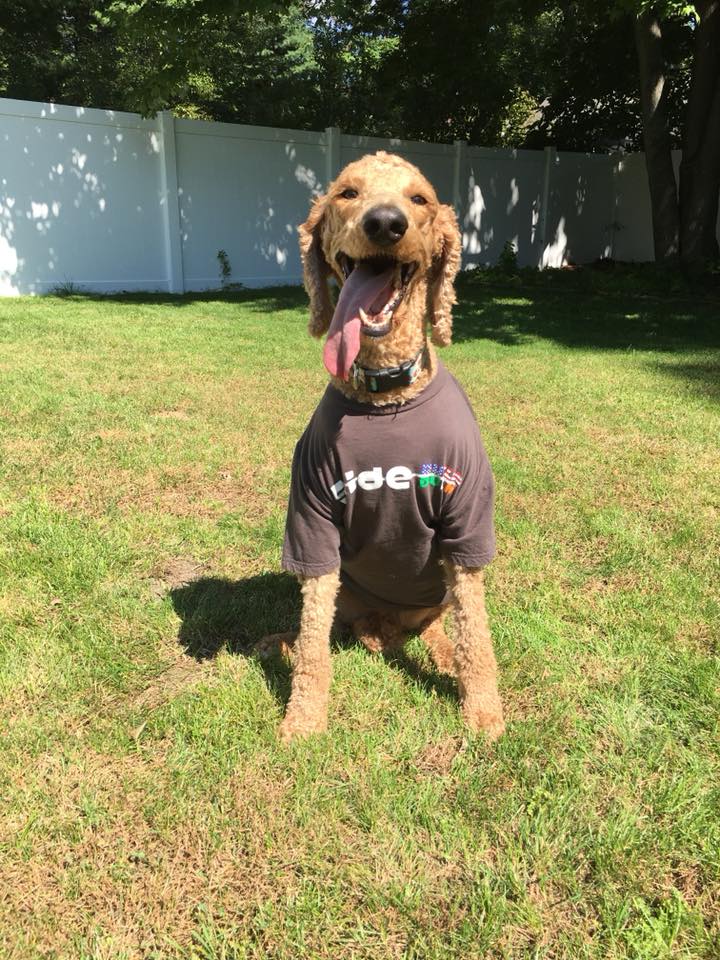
<point>390,511</point>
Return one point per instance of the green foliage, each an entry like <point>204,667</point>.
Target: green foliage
<point>519,115</point>
<point>225,268</point>
<point>629,280</point>
<point>456,70</point>
<point>502,73</point>
<point>68,288</point>
<point>662,8</point>
<point>508,259</point>
<point>591,80</point>
<point>59,51</point>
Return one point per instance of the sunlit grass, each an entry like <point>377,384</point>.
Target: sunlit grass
<point>148,808</point>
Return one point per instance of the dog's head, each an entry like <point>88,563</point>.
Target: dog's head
<point>394,250</point>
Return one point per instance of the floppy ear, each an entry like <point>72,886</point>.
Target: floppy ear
<point>446,257</point>
<point>316,271</point>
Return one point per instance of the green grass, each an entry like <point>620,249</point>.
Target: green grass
<point>148,809</point>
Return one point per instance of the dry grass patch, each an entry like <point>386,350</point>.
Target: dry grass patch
<point>98,869</point>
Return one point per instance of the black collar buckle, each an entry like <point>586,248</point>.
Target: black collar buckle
<point>388,378</point>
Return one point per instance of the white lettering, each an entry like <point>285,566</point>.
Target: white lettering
<point>371,479</point>
<point>398,478</point>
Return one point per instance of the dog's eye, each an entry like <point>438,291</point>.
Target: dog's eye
<point>349,194</point>
<point>419,200</point>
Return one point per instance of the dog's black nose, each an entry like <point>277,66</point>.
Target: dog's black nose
<point>384,224</point>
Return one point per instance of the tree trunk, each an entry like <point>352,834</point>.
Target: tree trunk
<point>656,136</point>
<point>700,167</point>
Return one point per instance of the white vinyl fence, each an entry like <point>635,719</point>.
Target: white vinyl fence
<point>108,201</point>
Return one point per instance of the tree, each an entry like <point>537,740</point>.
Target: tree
<point>676,56</point>
<point>684,219</point>
<point>700,166</point>
<point>656,135</point>
<point>182,41</point>
<point>59,51</point>
<point>427,70</point>
<point>586,80</point>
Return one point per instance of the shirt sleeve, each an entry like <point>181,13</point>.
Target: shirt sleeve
<point>312,535</point>
<point>467,531</point>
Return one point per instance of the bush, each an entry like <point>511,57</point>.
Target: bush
<point>630,280</point>
<point>507,261</point>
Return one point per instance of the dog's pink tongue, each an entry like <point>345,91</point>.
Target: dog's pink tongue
<point>361,289</point>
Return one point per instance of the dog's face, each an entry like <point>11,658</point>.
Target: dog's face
<point>394,250</point>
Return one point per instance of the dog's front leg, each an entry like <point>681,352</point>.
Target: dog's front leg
<point>474,657</point>
<point>307,708</point>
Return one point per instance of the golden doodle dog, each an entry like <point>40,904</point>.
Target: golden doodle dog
<point>390,514</point>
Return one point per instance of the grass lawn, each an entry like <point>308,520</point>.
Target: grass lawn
<point>148,810</point>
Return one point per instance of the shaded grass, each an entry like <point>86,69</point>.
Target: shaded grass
<point>149,810</point>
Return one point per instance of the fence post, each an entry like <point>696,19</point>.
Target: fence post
<point>549,159</point>
<point>332,153</point>
<point>169,203</point>
<point>459,159</point>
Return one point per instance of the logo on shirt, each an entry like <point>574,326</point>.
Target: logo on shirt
<point>397,478</point>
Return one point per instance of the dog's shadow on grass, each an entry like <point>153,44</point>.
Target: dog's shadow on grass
<point>221,614</point>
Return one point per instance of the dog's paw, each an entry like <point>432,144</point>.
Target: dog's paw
<point>440,647</point>
<point>444,662</point>
<point>296,726</point>
<point>275,644</point>
<point>485,718</point>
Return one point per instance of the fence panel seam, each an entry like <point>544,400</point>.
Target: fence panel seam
<point>170,203</point>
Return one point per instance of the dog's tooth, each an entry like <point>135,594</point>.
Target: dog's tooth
<point>363,316</point>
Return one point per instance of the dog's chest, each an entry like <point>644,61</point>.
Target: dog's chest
<point>387,492</point>
<point>392,475</point>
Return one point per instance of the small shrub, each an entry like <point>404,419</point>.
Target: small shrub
<point>225,268</point>
<point>226,272</point>
<point>67,288</point>
<point>508,261</point>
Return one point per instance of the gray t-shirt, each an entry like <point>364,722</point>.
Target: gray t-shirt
<point>386,492</point>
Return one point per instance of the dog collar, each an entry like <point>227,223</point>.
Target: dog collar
<point>388,378</point>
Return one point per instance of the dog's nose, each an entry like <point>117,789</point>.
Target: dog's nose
<point>384,224</point>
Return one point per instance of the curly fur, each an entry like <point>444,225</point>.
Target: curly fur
<point>316,271</point>
<point>474,657</point>
<point>448,255</point>
<point>439,645</point>
<point>433,241</point>
<point>307,707</point>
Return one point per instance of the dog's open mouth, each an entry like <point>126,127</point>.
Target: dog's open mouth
<point>393,276</point>
<point>372,291</point>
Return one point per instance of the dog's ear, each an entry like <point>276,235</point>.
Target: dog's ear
<point>316,271</point>
<point>446,263</point>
